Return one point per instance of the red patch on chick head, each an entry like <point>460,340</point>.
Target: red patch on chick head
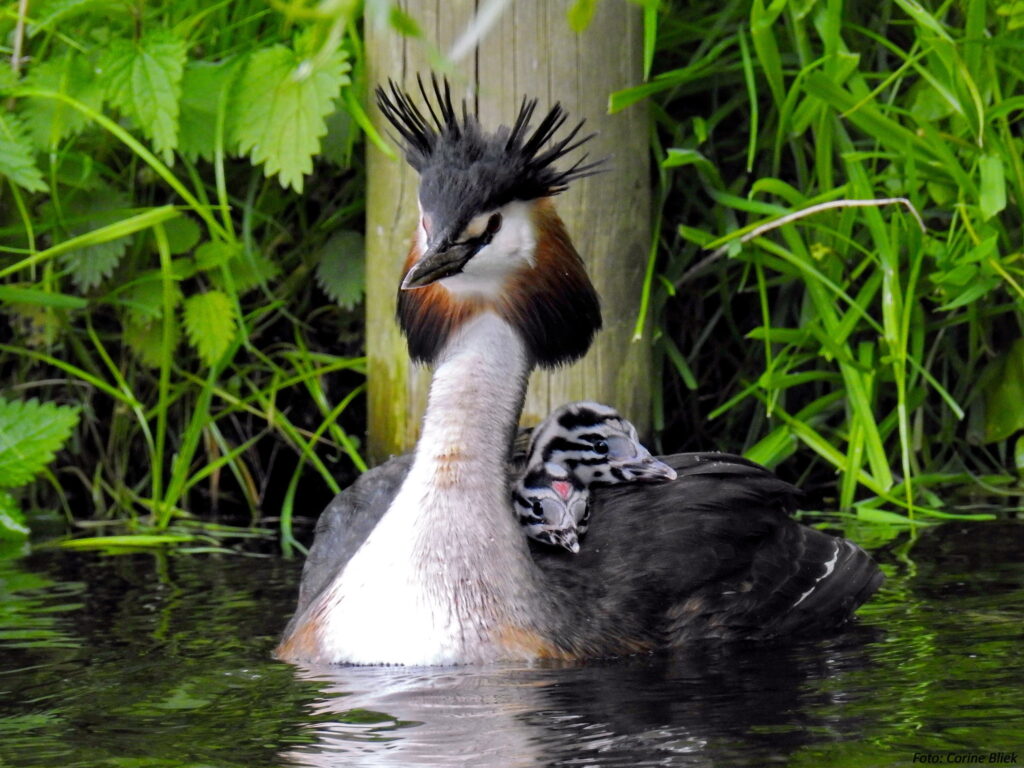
<point>563,488</point>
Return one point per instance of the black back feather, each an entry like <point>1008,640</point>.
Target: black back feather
<point>712,554</point>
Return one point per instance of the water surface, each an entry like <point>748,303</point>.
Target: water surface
<point>163,660</point>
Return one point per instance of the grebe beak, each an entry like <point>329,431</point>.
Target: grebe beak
<point>439,262</point>
<point>644,469</point>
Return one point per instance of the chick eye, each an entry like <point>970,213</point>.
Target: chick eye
<point>538,509</point>
<point>493,225</point>
<point>601,447</point>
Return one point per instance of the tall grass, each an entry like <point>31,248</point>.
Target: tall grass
<point>158,264</point>
<point>886,357</point>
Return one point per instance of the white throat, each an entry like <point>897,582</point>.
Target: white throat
<point>445,567</point>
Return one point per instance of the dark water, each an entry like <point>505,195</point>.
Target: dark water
<point>144,660</point>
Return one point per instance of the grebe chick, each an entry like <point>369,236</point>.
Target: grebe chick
<point>597,445</point>
<point>551,506</point>
<point>580,445</point>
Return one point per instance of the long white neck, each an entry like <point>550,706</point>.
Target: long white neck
<point>476,396</point>
<point>446,577</point>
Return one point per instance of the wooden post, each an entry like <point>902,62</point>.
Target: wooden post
<point>531,51</point>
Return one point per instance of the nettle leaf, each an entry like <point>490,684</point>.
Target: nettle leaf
<point>282,100</point>
<point>201,90</point>
<point>247,270</point>
<point>16,156</point>
<point>182,234</point>
<point>82,213</point>
<point>146,340</point>
<point>210,323</point>
<point>339,143</point>
<point>143,79</point>
<point>30,434</point>
<point>50,120</point>
<point>145,298</point>
<point>215,254</point>
<point>341,268</point>
<point>12,521</point>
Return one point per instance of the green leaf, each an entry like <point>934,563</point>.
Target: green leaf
<point>403,23</point>
<point>884,516</point>
<point>12,520</point>
<point>580,14</point>
<point>340,141</point>
<point>978,288</point>
<point>248,270</point>
<point>210,324</point>
<point>340,268</point>
<point>676,158</point>
<point>8,79</point>
<point>1004,395</point>
<point>128,541</point>
<point>48,14</point>
<point>145,298</point>
<point>143,79</point>
<point>16,160</point>
<point>10,294</point>
<point>50,120</point>
<point>182,234</point>
<point>993,186</point>
<point>146,340</point>
<point>282,100</point>
<point>30,434</point>
<point>83,213</point>
<point>202,87</point>
<point>215,254</point>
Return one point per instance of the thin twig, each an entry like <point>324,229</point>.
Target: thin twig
<point>19,36</point>
<point>483,21</point>
<point>795,216</point>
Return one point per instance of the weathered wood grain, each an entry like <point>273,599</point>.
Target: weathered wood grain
<point>530,51</point>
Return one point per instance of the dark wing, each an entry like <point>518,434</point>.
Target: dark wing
<point>712,554</point>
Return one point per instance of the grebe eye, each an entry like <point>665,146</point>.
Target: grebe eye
<point>538,509</point>
<point>601,447</point>
<point>493,224</point>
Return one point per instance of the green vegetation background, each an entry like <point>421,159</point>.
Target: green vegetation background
<point>181,259</point>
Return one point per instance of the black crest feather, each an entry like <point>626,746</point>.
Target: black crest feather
<point>458,162</point>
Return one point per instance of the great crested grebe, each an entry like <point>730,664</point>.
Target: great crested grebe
<point>578,446</point>
<point>432,567</point>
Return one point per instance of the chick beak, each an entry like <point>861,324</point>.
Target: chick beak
<point>570,541</point>
<point>645,469</point>
<point>440,261</point>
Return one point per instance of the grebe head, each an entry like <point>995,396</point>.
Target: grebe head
<point>488,237</point>
<point>579,445</point>
<point>597,445</point>
<point>551,505</point>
